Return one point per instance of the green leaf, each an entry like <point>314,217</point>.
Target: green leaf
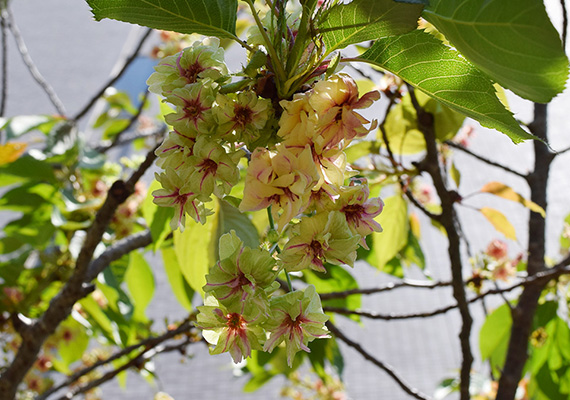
<point>22,124</point>
<point>71,350</point>
<point>140,281</point>
<point>180,288</point>
<point>336,279</point>
<point>232,219</point>
<point>206,17</point>
<point>362,20</point>
<point>442,73</point>
<point>393,238</point>
<point>513,41</point>
<point>196,248</point>
<point>494,336</point>
<point>157,218</point>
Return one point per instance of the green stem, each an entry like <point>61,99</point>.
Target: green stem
<point>279,71</point>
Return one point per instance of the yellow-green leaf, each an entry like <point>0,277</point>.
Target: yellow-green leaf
<point>504,191</point>
<point>10,152</point>
<point>196,248</point>
<point>500,222</point>
<point>393,238</point>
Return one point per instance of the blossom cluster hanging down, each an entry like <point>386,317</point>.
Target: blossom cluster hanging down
<point>296,169</point>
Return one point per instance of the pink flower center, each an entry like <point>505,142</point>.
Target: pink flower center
<point>193,109</point>
<point>235,321</point>
<point>353,213</point>
<point>208,167</point>
<point>191,73</point>
<point>243,115</point>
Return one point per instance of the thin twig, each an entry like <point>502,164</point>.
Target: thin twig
<point>23,50</point>
<point>385,367</point>
<point>4,33</point>
<point>385,288</point>
<point>114,79</point>
<point>132,120</point>
<point>148,343</point>
<point>483,159</point>
<point>564,23</point>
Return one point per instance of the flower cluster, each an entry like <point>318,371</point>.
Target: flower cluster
<point>241,314</point>
<point>200,156</point>
<point>297,170</point>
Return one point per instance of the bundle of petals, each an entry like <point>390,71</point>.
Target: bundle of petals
<point>323,213</point>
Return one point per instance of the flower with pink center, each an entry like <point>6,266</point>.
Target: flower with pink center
<point>199,61</point>
<point>322,238</point>
<point>335,101</point>
<point>193,107</point>
<point>175,150</point>
<point>359,210</point>
<point>242,116</point>
<point>212,169</point>
<point>242,274</point>
<point>235,329</point>
<point>298,319</point>
<point>282,180</point>
<point>176,193</point>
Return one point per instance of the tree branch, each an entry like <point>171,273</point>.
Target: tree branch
<point>148,344</point>
<point>483,159</point>
<point>415,393</point>
<point>61,305</point>
<point>4,33</point>
<point>448,220</point>
<point>23,50</point>
<point>114,79</point>
<point>385,288</point>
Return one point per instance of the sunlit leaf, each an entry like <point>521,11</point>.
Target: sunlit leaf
<point>207,17</point>
<point>10,152</point>
<point>442,73</point>
<point>504,191</point>
<point>500,222</point>
<point>513,41</point>
<point>494,336</point>
<point>362,20</point>
<point>140,281</point>
<point>394,221</point>
<point>196,248</point>
<point>180,287</point>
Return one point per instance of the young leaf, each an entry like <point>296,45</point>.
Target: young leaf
<point>362,20</point>
<point>394,221</point>
<point>504,191</point>
<point>195,248</point>
<point>500,222</point>
<point>494,336</point>
<point>442,73</point>
<point>513,41</point>
<point>180,288</point>
<point>140,282</point>
<point>206,17</point>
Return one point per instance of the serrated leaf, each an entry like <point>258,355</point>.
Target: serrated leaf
<point>500,222</point>
<point>180,287</point>
<point>196,248</point>
<point>442,73</point>
<point>140,281</point>
<point>362,20</point>
<point>513,41</point>
<point>504,191</point>
<point>206,17</point>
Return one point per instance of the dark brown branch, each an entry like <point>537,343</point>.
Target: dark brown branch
<point>388,317</point>
<point>385,288</point>
<point>23,50</point>
<point>483,159</point>
<point>116,251</point>
<point>147,343</point>
<point>61,305</point>
<point>523,313</point>
<point>415,393</point>
<point>114,79</point>
<point>448,220</point>
<point>564,35</point>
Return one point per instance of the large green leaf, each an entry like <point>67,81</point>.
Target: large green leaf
<point>363,20</point>
<point>180,287</point>
<point>195,248</point>
<point>207,17</point>
<point>441,72</point>
<point>511,40</point>
<point>233,219</point>
<point>494,337</point>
